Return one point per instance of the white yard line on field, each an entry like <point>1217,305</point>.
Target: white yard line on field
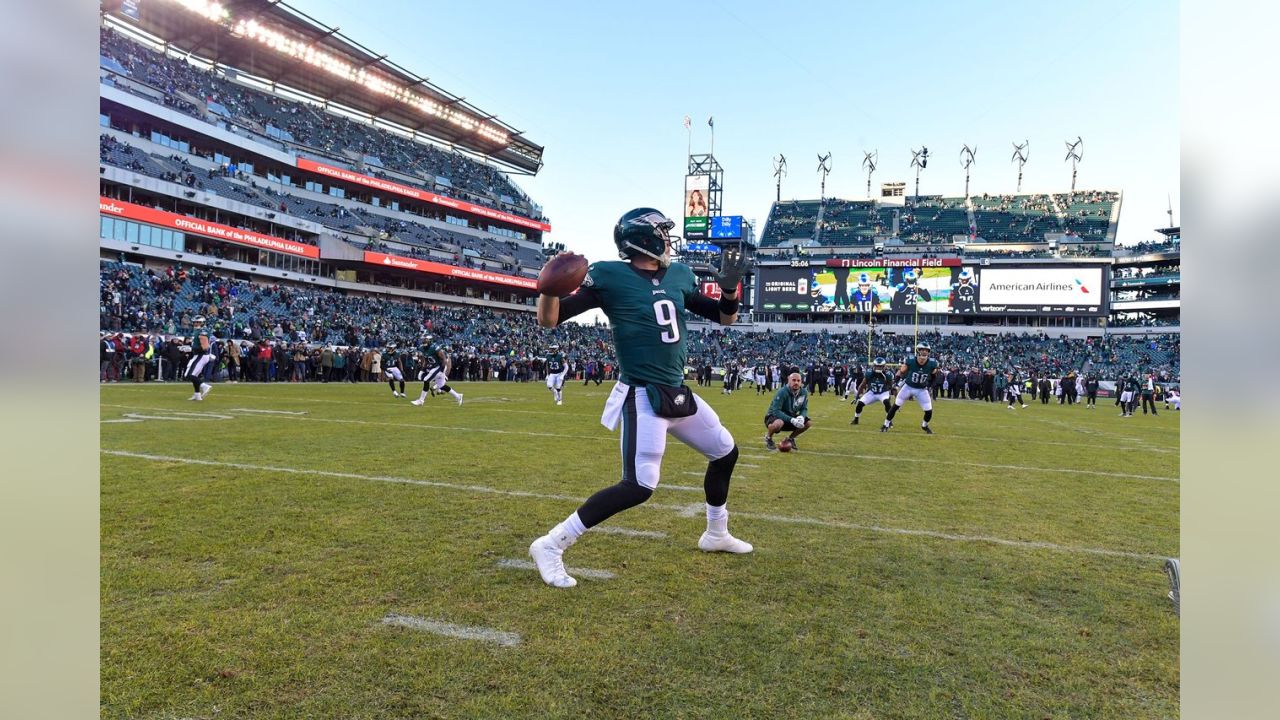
<point>614,530</point>
<point>512,564</point>
<point>461,632</point>
<point>610,438</point>
<point>687,510</point>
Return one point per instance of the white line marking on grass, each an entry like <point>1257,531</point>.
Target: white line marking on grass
<point>123,420</point>
<point>686,488</point>
<point>690,510</point>
<point>746,465</point>
<point>580,572</point>
<point>994,466</point>
<point>349,476</point>
<point>462,632</point>
<point>609,438</point>
<point>268,412</point>
<point>613,530</point>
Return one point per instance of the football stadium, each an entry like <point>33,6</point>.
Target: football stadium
<point>378,441</point>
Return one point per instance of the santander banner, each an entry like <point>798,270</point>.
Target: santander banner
<point>196,226</point>
<point>417,194</point>
<point>427,266</point>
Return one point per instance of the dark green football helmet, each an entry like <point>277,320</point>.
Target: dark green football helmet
<point>644,231</point>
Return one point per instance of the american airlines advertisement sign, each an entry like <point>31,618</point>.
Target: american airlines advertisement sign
<point>1060,290</point>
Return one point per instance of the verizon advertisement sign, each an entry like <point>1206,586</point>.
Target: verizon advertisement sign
<point>435,268</point>
<point>1067,290</point>
<point>196,226</point>
<point>338,173</point>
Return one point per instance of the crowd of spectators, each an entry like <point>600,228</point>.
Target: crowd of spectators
<point>167,302</point>
<point>358,225</point>
<point>1085,215</point>
<point>186,88</point>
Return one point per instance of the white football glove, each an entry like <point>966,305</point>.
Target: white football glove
<point>797,421</point>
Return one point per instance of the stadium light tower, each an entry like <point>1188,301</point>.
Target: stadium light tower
<point>919,159</point>
<point>1075,153</point>
<point>824,168</point>
<point>1020,155</point>
<point>967,159</point>
<point>869,163</point>
<point>779,170</point>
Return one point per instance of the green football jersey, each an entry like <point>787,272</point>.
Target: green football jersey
<point>646,312</point>
<point>555,363</point>
<point>876,381</point>
<point>918,375</point>
<point>431,356</point>
<point>786,406</point>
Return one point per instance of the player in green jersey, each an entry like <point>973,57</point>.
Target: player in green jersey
<point>790,407</point>
<point>646,297</point>
<point>917,372</point>
<point>393,366</point>
<point>201,356</point>
<point>435,372</point>
<point>555,373</point>
<point>874,388</point>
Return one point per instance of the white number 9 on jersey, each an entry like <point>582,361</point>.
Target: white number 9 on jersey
<point>665,312</point>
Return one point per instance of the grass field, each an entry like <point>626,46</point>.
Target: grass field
<point>262,550</point>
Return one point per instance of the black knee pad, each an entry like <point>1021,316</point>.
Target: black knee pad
<point>928,415</point>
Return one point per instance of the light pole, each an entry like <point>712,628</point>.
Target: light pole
<point>779,169</point>
<point>919,159</point>
<point>869,163</point>
<point>967,159</point>
<point>1075,153</point>
<point>824,168</point>
<point>1020,155</point>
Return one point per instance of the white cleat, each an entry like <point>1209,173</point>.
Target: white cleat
<point>559,402</point>
<point>550,561</point>
<point>723,543</point>
<point>196,396</point>
<point>204,389</point>
<point>1024,405</point>
<point>415,402</point>
<point>459,399</point>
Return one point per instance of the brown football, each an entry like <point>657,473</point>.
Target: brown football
<point>562,274</point>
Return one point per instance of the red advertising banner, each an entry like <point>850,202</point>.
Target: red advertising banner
<point>419,194</point>
<point>196,226</point>
<point>427,266</point>
<point>893,262</point>
<point>712,290</point>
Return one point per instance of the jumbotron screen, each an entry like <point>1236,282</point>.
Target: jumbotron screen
<point>962,289</point>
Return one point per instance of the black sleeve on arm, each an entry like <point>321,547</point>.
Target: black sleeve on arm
<point>577,303</point>
<point>699,304</point>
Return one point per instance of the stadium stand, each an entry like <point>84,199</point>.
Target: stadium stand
<point>1085,217</point>
<point>412,238</point>
<point>166,300</point>
<point>204,93</point>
